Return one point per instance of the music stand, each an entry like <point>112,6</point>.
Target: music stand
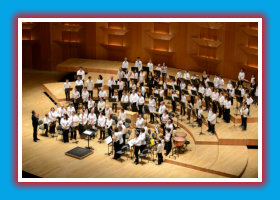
<point>177,88</point>
<point>125,105</point>
<point>185,92</point>
<point>124,79</point>
<point>134,68</point>
<point>210,84</point>
<point>89,133</point>
<point>157,72</point>
<point>109,141</point>
<point>145,68</point>
<point>169,87</point>
<point>194,93</point>
<point>171,77</point>
<point>238,92</point>
<point>135,80</point>
<point>79,87</point>
<point>97,85</point>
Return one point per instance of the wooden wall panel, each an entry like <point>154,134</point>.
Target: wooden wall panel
<point>178,48</point>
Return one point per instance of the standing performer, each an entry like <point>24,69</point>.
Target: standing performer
<point>199,116</point>
<point>122,115</point>
<point>138,64</point>
<point>211,121</point>
<point>89,86</point>
<point>92,119</point>
<point>125,100</point>
<point>141,78</point>
<point>65,123</point>
<point>70,109</point>
<point>244,114</point>
<point>142,136</point>
<point>189,109</point>
<point>35,120</point>
<point>241,77</point>
<point>208,93</point>
<point>191,92</point>
<point>125,64</point>
<point>187,75</point>
<point>101,124</point>
<point>198,105</point>
<point>91,104</point>
<point>221,83</point>
<point>67,85</point>
<point>137,144</point>
<point>152,108</point>
<point>204,76</point>
<point>108,125</point>
<point>79,82</point>
<point>120,90</point>
<point>76,96</point>
<point>183,104</point>
<point>227,105</point>
<point>60,112</point>
<point>173,101</point>
<point>120,74</point>
<point>221,100</point>
<point>102,94</point>
<point>81,73</point>
<point>46,124</point>
<point>164,119</point>
<point>85,96</point>
<point>178,76</point>
<point>150,65</point>
<point>216,81</point>
<point>74,122</point>
<point>52,117</point>
<point>160,148</point>
<point>101,106</point>
<point>133,100</point>
<point>164,72</point>
<point>168,140</point>
<point>118,140</point>
<point>140,103</point>
<point>82,121</point>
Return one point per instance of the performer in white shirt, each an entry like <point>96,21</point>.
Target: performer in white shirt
<point>122,115</point>
<point>91,104</point>
<point>142,136</point>
<point>110,83</point>
<point>168,140</point>
<point>127,76</point>
<point>229,86</point>
<point>211,120</point>
<point>189,109</point>
<point>221,100</point>
<point>138,64</point>
<point>65,124</point>
<point>115,104</point>
<point>101,124</point>
<point>60,112</point>
<point>162,108</point>
<point>141,78</point>
<point>199,116</point>
<point>140,103</point>
<point>183,104</point>
<point>92,119</point>
<point>118,141</point>
<point>76,96</point>
<point>133,100</point>
<point>79,85</point>
<point>227,105</point>
<point>139,122</point>
<point>244,114</point>
<point>164,72</point>
<point>74,123</point>
<point>102,94</point>
<point>174,101</point>
<point>67,85</point>
<point>108,125</point>
<point>152,108</point>
<point>82,121</point>
<point>125,64</point>
<point>208,93</point>
<point>85,96</point>
<point>150,65</point>
<point>120,90</point>
<point>221,83</point>
<point>70,109</point>
<point>201,89</point>
<point>46,124</point>
<point>81,73</point>
<point>120,73</point>
<point>52,116</point>
<point>108,111</point>
<point>101,106</point>
<point>216,81</point>
<point>164,119</point>
<point>191,92</point>
<point>125,100</point>
<point>187,75</point>
<point>241,77</point>
<point>137,144</point>
<point>89,86</point>
<point>160,149</point>
<point>204,76</point>
<point>178,76</point>
<point>215,98</point>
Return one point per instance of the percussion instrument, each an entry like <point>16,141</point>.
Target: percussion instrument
<point>180,134</point>
<point>179,141</point>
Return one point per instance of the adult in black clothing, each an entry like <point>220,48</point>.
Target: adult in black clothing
<point>35,122</point>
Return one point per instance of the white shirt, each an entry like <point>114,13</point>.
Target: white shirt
<point>83,119</point>
<point>168,135</point>
<point>183,99</point>
<point>227,104</point>
<point>85,95</point>
<point>143,91</point>
<point>91,104</point>
<point>134,75</point>
<point>66,85</point>
<point>61,111</point>
<point>102,94</point>
<point>241,76</point>
<point>141,100</point>
<point>46,120</point>
<point>125,65</point>
<point>79,83</point>
<point>201,90</point>
<point>52,116</point>
<point>89,85</point>
<point>76,94</point>
<point>137,141</point>
<point>199,113</point>
<point>122,116</point>
<point>142,137</point>
<point>216,82</point>
<point>81,73</point>
<point>133,98</point>
<point>249,101</point>
<point>198,103</point>
<point>120,74</point>
<point>108,123</point>
<point>70,110</point>
<point>174,95</point>
<point>164,69</point>
<point>111,82</point>
<point>215,96</point>
<point>182,86</point>
<point>160,148</point>
<point>229,86</point>
<point>221,83</point>
<point>187,76</point>
<point>74,120</point>
<point>65,123</point>
<point>161,109</point>
<point>127,75</point>
<point>92,118</point>
<point>244,112</point>
<point>100,81</point>
<point>140,123</point>
<point>124,99</point>
<point>178,75</point>
<point>169,126</point>
<point>101,106</point>
<point>208,92</point>
<point>164,118</point>
<point>221,100</point>
<point>101,121</point>
<point>108,111</point>
<point>151,66</point>
<point>141,77</point>
<point>192,89</point>
<point>120,83</point>
<point>152,105</point>
<point>211,117</point>
<point>138,64</point>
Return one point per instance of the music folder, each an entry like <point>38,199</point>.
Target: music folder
<point>108,140</point>
<point>115,87</point>
<point>68,89</point>
<point>98,85</point>
<point>87,132</point>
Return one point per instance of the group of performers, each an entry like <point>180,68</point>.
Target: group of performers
<point>132,89</point>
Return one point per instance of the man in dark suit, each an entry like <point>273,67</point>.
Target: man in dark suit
<point>35,119</point>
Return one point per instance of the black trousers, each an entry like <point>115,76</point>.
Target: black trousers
<point>67,94</point>
<point>90,93</point>
<point>152,117</point>
<point>207,102</point>
<point>73,132</point>
<point>46,127</point>
<point>114,106</point>
<point>117,147</point>
<point>120,94</point>
<point>189,113</point>
<point>165,92</point>
<point>102,133</point>
<point>65,135</point>
<point>221,111</point>
<point>76,105</point>
<point>199,120</point>
<point>192,99</point>
<point>163,77</point>
<point>142,147</point>
<point>81,129</point>
<point>136,153</point>
<point>174,106</point>
<point>160,158</point>
<point>168,147</point>
<point>35,128</point>
<point>52,128</point>
<point>140,109</point>
<point>244,122</point>
<point>141,84</point>
<point>183,109</point>
<point>163,128</point>
<point>212,128</point>
<point>227,115</point>
<point>110,92</point>
<point>134,107</point>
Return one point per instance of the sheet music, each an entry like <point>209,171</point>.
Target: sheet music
<point>108,140</point>
<point>130,142</point>
<point>87,132</point>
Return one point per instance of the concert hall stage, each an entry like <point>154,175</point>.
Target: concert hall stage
<point>225,154</point>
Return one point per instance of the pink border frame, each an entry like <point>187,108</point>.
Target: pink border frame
<point>133,184</point>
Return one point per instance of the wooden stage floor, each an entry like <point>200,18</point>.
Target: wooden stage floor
<point>224,154</point>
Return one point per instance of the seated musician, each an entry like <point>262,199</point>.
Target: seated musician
<point>91,104</point>
<point>89,86</point>
<point>92,119</point>
<point>183,104</point>
<point>101,106</point>
<point>67,85</point>
<point>168,140</point>
<point>173,101</point>
<point>81,73</point>
<point>133,100</point>
<point>164,118</point>
<point>79,82</point>
<point>85,96</point>
<point>199,116</point>
<point>82,121</point>
<point>74,121</point>
<point>101,124</point>
<point>52,116</point>
<point>76,96</point>
<point>110,83</point>
<point>122,115</point>
<point>46,124</point>
<point>152,108</point>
